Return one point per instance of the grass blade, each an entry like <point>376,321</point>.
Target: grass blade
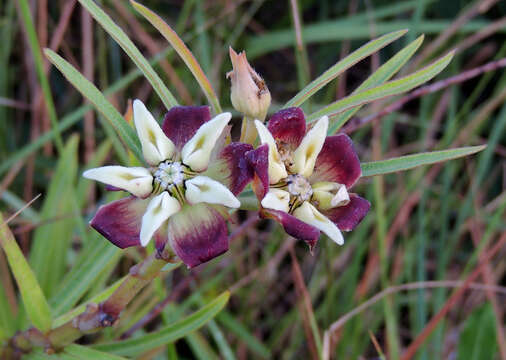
<point>366,50</point>
<point>390,88</point>
<point>477,339</point>
<point>35,302</point>
<point>339,30</point>
<point>170,333</point>
<point>128,46</point>
<point>242,332</point>
<point>412,161</point>
<point>52,238</point>
<point>86,353</point>
<point>384,73</point>
<point>183,51</point>
<point>81,279</point>
<point>90,92</point>
<point>33,41</point>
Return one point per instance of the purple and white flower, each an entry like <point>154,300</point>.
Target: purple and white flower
<point>302,177</point>
<point>182,198</point>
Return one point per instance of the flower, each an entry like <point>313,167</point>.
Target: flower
<point>302,177</point>
<point>249,94</point>
<point>183,196</point>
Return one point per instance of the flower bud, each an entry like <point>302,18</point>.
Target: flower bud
<point>249,94</point>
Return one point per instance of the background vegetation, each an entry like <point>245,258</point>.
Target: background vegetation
<point>401,272</point>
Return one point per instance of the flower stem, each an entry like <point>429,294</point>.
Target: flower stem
<point>93,319</point>
<point>248,131</point>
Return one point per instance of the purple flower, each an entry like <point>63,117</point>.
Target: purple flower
<point>302,177</point>
<point>182,198</point>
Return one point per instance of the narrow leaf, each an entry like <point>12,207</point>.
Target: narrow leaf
<point>86,353</point>
<point>412,161</point>
<point>52,239</point>
<point>183,51</point>
<point>390,88</point>
<point>90,92</point>
<point>477,340</point>
<point>36,305</point>
<point>81,279</point>
<point>384,73</point>
<point>170,333</point>
<point>370,48</point>
<point>128,46</point>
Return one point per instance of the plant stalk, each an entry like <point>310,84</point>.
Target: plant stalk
<point>93,319</point>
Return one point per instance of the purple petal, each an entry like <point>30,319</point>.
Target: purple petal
<point>113,188</point>
<point>349,216</point>
<point>232,168</point>
<point>337,162</point>
<point>294,227</point>
<point>182,122</point>
<point>198,233</point>
<point>258,159</point>
<point>288,126</point>
<point>120,221</point>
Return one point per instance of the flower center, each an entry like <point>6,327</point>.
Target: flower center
<point>299,187</point>
<point>169,174</point>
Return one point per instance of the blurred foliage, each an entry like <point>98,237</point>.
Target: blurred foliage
<point>429,224</point>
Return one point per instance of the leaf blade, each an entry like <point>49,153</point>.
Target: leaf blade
<point>35,302</point>
<point>132,51</point>
<point>412,161</point>
<point>384,73</point>
<point>52,239</point>
<point>170,333</point>
<point>365,50</point>
<point>85,353</point>
<point>178,44</point>
<point>90,92</point>
<point>387,89</point>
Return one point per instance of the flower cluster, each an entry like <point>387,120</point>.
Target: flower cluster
<point>182,198</point>
<point>300,176</point>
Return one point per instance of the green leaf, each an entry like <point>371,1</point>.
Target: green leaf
<point>86,353</point>
<point>90,91</point>
<point>390,88</point>
<point>339,30</point>
<point>183,51</point>
<point>478,340</point>
<point>128,46</point>
<point>384,73</point>
<point>366,50</point>
<point>81,278</point>
<point>412,161</point>
<point>7,321</point>
<point>243,333</point>
<point>52,239</point>
<point>35,302</point>
<point>170,333</point>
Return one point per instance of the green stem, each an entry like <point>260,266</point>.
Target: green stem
<point>96,316</point>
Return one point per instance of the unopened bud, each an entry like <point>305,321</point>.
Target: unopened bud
<point>249,94</point>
